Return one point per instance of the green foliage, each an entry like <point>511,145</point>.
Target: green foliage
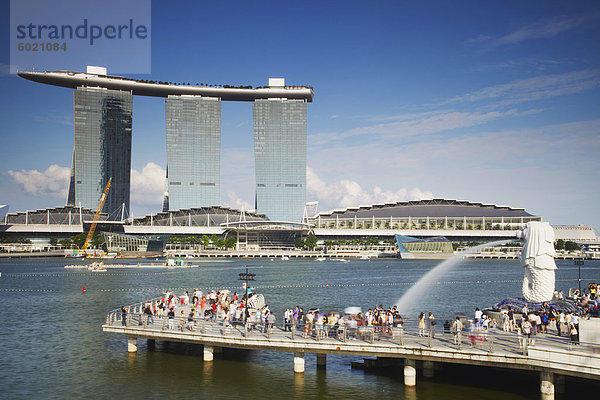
<point>230,242</point>
<point>572,246</point>
<point>310,241</point>
<point>79,240</point>
<point>204,240</point>
<point>559,245</point>
<point>299,243</point>
<point>96,240</point>
<point>184,239</point>
<point>14,239</point>
<point>53,241</point>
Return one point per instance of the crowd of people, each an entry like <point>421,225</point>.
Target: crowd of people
<point>214,305</point>
<point>320,324</point>
<point>529,324</point>
<point>231,308</point>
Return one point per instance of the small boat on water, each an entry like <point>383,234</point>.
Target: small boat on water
<point>320,259</point>
<point>97,267</point>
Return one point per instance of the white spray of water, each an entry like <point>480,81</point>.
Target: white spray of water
<point>407,302</point>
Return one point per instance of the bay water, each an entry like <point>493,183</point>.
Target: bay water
<point>53,347</point>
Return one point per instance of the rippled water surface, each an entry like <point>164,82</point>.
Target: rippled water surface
<point>53,345</point>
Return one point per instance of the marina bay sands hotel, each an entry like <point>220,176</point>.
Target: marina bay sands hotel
<point>102,108</point>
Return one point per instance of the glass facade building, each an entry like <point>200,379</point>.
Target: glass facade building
<point>193,151</point>
<point>280,158</point>
<point>102,148</point>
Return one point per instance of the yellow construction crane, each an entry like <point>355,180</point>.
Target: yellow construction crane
<point>88,239</point>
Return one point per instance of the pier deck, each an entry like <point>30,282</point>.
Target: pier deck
<point>550,355</point>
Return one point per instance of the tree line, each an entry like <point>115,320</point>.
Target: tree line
<point>206,241</point>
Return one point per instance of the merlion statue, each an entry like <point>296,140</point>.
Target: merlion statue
<point>537,259</point>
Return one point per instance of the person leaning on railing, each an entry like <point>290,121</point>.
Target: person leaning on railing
<point>124,311</point>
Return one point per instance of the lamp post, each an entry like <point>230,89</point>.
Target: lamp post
<point>246,276</point>
<point>579,263</point>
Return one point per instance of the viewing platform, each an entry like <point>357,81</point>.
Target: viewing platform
<point>549,355</point>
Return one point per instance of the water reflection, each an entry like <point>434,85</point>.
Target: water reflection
<point>131,361</point>
<point>410,393</point>
<point>299,386</point>
<point>207,371</point>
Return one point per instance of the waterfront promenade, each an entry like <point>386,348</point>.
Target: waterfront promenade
<point>551,355</point>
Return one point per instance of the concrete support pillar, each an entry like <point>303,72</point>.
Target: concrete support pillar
<point>208,353</point>
<point>131,344</point>
<point>547,385</point>
<point>410,373</point>
<point>428,368</point>
<point>321,360</point>
<point>559,383</point>
<point>299,363</point>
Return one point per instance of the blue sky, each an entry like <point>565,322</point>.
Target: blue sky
<point>495,102</point>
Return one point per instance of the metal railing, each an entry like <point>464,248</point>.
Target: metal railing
<point>492,341</point>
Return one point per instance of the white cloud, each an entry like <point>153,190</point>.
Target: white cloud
<point>345,193</point>
<point>51,182</point>
<point>55,119</point>
<point>543,29</point>
<point>148,186</point>
<point>546,28</point>
<point>540,87</point>
<point>233,201</point>
<point>420,124</point>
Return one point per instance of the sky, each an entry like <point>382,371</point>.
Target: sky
<point>493,102</point>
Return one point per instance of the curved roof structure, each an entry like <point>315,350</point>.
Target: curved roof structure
<point>74,79</point>
<point>65,215</point>
<point>428,208</point>
<point>204,216</point>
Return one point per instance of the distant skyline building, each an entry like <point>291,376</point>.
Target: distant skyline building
<point>193,151</point>
<point>102,148</point>
<point>103,119</point>
<point>280,158</point>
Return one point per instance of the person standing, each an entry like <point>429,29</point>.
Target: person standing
<point>478,315</point>
<point>148,312</point>
<point>422,324</point>
<point>526,327</point>
<point>300,316</point>
<point>287,318</point>
<point>560,323</point>
<point>505,321</point>
<point>295,315</point>
<point>124,311</point>
<point>171,318</point>
<point>457,327</point>
<point>432,323</point>
<point>544,321</point>
<point>485,323</point>
<point>573,333</point>
<point>575,322</point>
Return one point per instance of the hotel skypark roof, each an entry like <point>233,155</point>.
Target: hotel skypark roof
<point>74,79</point>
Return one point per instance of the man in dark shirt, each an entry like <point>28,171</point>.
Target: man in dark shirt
<point>124,316</point>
